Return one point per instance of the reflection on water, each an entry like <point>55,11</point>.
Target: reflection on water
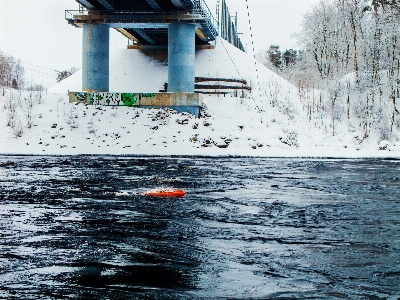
<point>77,227</point>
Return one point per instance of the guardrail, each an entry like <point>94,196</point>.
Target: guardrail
<point>202,8</point>
<point>227,29</point>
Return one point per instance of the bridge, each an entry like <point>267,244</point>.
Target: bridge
<point>146,21</point>
<point>178,25</point>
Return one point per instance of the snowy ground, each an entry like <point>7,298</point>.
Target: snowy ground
<point>270,122</point>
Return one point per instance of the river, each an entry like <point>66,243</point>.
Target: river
<point>78,227</point>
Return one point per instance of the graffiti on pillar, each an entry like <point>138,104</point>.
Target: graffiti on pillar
<point>128,99</point>
<point>148,95</point>
<point>107,98</point>
<point>91,98</point>
<point>113,99</point>
<point>80,97</point>
<point>103,98</point>
<point>98,98</point>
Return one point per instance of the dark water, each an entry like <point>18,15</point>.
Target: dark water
<point>248,228</point>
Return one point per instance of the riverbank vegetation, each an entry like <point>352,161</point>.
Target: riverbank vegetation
<point>348,67</point>
<point>11,72</point>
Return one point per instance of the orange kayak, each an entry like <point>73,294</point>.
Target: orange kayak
<point>165,193</point>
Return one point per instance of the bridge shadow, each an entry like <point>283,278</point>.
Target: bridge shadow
<point>160,55</point>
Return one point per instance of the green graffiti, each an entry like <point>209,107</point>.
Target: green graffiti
<point>128,99</point>
<point>91,98</point>
<point>80,96</point>
<point>109,98</point>
<point>148,95</point>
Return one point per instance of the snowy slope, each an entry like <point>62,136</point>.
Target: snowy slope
<point>270,122</point>
<point>134,71</point>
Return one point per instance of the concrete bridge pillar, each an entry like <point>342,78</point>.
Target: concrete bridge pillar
<point>181,57</point>
<point>95,57</point>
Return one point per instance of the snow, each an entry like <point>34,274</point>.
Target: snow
<point>270,122</point>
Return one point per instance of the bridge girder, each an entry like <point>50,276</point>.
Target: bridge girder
<point>178,4</point>
<point>86,4</point>
<point>134,14</point>
<point>154,4</point>
<point>144,35</point>
<point>106,4</point>
<point>152,18</point>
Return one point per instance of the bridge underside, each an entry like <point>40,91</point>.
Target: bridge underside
<point>143,5</point>
<point>179,25</point>
<point>146,21</point>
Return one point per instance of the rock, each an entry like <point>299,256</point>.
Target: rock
<point>383,145</point>
<point>207,143</point>
<point>8,164</point>
<point>227,141</point>
<point>290,139</point>
<point>182,122</point>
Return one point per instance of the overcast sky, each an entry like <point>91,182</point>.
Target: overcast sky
<point>36,31</point>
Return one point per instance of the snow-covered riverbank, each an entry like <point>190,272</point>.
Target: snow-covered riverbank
<point>270,122</point>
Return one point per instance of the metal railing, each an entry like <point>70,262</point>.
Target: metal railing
<point>202,8</point>
<point>69,14</point>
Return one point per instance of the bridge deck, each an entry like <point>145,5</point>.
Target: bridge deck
<point>146,21</point>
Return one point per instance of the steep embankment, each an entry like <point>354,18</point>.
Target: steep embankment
<point>270,122</point>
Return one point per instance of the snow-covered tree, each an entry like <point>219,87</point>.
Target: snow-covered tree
<point>11,72</point>
<point>289,57</point>
<point>350,53</point>
<point>275,56</point>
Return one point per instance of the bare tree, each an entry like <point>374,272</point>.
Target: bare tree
<point>11,72</point>
<point>349,63</point>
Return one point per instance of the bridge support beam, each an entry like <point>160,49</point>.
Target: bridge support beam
<point>181,57</point>
<point>95,57</point>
